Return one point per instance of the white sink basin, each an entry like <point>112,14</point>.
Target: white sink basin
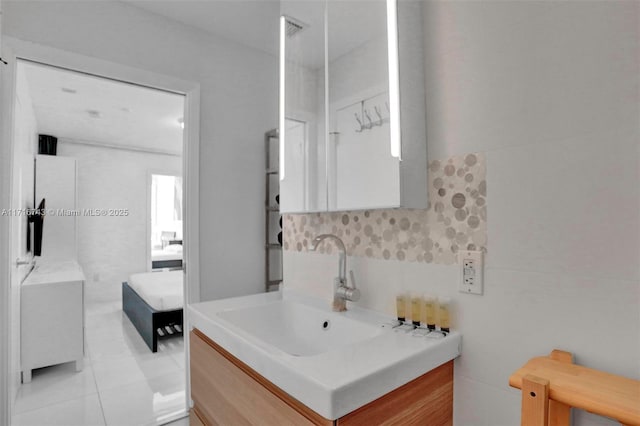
<point>298,329</point>
<point>333,370</point>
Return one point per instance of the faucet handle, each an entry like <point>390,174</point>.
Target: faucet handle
<point>347,293</point>
<point>342,291</point>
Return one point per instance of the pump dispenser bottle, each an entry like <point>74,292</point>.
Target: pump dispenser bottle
<point>416,309</point>
<point>401,306</point>
<point>430,305</point>
<point>445,313</point>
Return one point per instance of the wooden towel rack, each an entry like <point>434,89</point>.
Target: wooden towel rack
<point>552,384</point>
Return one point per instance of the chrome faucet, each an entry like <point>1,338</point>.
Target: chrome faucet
<point>341,291</point>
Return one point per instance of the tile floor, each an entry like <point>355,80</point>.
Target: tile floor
<point>123,383</point>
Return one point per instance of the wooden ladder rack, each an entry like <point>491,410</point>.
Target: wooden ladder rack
<point>552,384</point>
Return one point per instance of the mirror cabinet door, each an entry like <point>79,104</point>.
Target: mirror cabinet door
<point>341,113</point>
<point>303,186</point>
<point>362,173</point>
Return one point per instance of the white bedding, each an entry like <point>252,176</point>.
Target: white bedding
<point>171,252</point>
<point>163,291</point>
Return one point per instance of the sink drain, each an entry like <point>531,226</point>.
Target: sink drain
<point>326,324</point>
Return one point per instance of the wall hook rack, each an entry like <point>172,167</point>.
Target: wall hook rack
<point>370,125</point>
<point>380,119</point>
<point>359,122</point>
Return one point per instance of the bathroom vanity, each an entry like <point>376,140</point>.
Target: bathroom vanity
<point>284,358</point>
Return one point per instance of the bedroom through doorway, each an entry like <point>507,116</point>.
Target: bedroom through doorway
<point>106,156</point>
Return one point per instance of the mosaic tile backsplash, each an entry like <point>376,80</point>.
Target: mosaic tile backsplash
<point>455,219</point>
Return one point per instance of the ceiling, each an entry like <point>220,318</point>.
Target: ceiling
<point>71,105</point>
<point>129,115</point>
<point>350,24</point>
<point>255,23</point>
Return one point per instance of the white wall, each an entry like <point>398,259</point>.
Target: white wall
<point>112,248</point>
<point>6,315</point>
<point>238,104</point>
<point>26,136</point>
<point>549,91</point>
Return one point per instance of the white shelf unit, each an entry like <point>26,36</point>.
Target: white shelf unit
<point>272,248</point>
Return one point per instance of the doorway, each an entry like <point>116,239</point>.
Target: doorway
<point>66,145</point>
<point>165,220</point>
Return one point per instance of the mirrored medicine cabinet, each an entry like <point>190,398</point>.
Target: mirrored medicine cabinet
<point>352,106</point>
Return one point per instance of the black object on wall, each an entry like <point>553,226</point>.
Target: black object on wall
<point>47,145</point>
<point>38,219</point>
<point>279,221</point>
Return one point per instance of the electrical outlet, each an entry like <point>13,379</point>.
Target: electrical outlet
<point>471,271</point>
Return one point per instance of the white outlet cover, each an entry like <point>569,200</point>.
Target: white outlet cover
<point>471,278</point>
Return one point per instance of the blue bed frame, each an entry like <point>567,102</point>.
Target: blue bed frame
<point>146,319</point>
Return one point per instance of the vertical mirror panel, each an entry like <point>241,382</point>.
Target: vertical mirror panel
<point>361,172</point>
<point>303,181</point>
<point>344,104</point>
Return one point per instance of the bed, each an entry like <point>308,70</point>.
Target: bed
<point>168,257</point>
<point>153,301</point>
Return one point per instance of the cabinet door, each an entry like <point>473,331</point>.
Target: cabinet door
<point>194,419</point>
<point>364,170</point>
<point>303,128</point>
<point>427,400</point>
<point>56,183</point>
<point>224,393</point>
<point>353,128</point>
<point>52,328</point>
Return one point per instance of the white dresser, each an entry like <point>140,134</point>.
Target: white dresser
<point>52,316</point>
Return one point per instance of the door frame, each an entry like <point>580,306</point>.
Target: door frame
<point>150,174</point>
<point>14,49</point>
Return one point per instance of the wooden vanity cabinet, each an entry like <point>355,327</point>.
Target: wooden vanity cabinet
<point>226,391</point>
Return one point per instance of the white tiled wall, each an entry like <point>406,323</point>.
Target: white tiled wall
<point>112,248</point>
<point>550,92</point>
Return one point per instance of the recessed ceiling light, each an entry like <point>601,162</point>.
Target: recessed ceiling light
<point>68,90</point>
<point>94,113</point>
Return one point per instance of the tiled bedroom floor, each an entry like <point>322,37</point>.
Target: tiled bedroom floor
<point>123,383</point>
